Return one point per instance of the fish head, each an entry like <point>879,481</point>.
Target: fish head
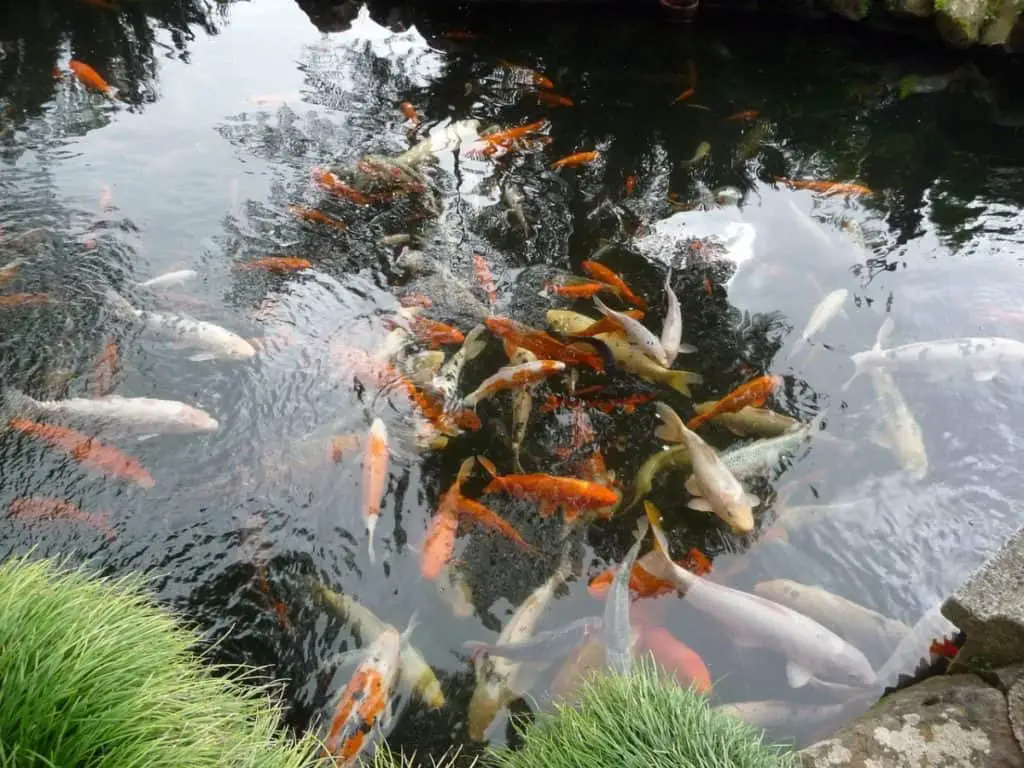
<point>852,668</point>
<point>484,706</point>
<point>200,420</point>
<point>739,516</point>
<point>242,350</point>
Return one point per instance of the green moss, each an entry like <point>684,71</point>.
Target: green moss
<point>93,673</point>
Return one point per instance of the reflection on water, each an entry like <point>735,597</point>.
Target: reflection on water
<point>213,175</point>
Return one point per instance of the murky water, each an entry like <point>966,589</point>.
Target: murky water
<point>223,112</point>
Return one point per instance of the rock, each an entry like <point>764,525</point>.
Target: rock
<point>960,21</point>
<point>1001,22</point>
<point>854,10</point>
<point>1004,677</point>
<point>989,608</point>
<point>1015,704</point>
<point>919,8</point>
<point>944,722</point>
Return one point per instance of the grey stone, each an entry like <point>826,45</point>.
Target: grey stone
<point>960,21</point>
<point>943,722</point>
<point>1005,677</point>
<point>989,608</point>
<point>1015,704</point>
<point>1003,17</point>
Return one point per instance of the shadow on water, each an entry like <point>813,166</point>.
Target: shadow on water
<point>205,165</point>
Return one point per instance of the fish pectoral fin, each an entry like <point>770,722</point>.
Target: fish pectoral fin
<point>796,676</point>
<point>693,486</point>
<point>202,357</point>
<point>985,373</point>
<point>686,349</point>
<point>751,500</point>
<point>700,504</point>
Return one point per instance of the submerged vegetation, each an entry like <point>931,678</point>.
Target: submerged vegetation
<point>93,673</point>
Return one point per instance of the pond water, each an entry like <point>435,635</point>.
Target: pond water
<point>205,156</point>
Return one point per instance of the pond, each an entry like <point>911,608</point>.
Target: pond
<point>204,160</point>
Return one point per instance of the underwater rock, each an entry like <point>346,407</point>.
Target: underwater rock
<point>960,21</point>
<point>918,8</point>
<point>854,10</point>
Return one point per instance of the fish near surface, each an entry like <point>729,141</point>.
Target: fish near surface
<point>618,632</point>
<point>551,491</point>
<point>672,327</point>
<point>675,657</point>
<point>49,508</point>
<point>521,376</point>
<point>599,271</point>
<point>375,476</point>
<point>983,356</point>
<point>439,543</point>
<point>522,404</point>
<point>495,676</point>
<point>754,392</point>
<point>368,627</point>
<point>626,355</point>
<point>543,647</point>
<point>826,311</point>
<point>637,333</point>
<point>811,650</point>
<point>896,428</point>
<point>446,383</point>
<point>750,421</point>
<point>541,344</point>
<point>714,486</point>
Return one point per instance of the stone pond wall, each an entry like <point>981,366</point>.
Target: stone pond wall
<point>971,717</point>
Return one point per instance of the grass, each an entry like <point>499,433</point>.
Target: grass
<point>644,720</point>
<point>93,673</point>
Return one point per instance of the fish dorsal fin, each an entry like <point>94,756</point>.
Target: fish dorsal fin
<point>489,466</point>
<point>796,676</point>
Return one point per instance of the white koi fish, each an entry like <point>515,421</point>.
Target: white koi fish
<point>513,377</point>
<point>637,332</point>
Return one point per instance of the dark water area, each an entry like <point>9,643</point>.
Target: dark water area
<point>224,109</point>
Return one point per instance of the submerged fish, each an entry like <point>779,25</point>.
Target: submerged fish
<point>365,624</point>
<point>811,650</point>
<point>825,187</point>
<point>170,279</point>
<point>774,714</point>
<point>487,517</point>
<point>541,344</point>
<point>896,428</point>
<point>675,657</point>
<point>575,159</point>
<point>48,508</point>
<point>823,314</point>
<point>375,476</point>
<point>599,271</point>
<point>138,415</point>
<point>522,404</point>
<point>625,354</point>
<point>618,633</point>
<point>521,376</point>
<point>551,491</point>
<point>90,78</point>
<point>702,151</point>
<point>446,383</point>
<point>439,543</point>
<point>543,647</point>
<point>672,327</point>
<point>677,457</point>
<point>753,393</point>
<point>637,333</point>
<point>750,421</point>
<point>716,489</point>
<point>485,278</point>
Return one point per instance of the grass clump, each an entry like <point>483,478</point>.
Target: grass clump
<point>93,673</point>
<point>643,720</point>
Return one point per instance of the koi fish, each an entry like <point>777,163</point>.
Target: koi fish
<point>314,216</point>
<point>434,333</point>
<point>677,658</point>
<point>625,354</point>
<point>581,290</point>
<point>637,333</point>
<point>446,383</point>
<point>48,508</point>
<point>630,186</point>
<point>276,264</point>
<point>137,415</point>
<point>25,300</point>
<point>618,632</point>
<point>9,271</point>
<point>342,444</point>
<point>375,475</point>
<point>540,343</point>
<point>825,187</point>
<point>409,300</point>
<point>602,273</point>
<point>575,159</point>
<point>522,403</point>
<point>644,584</point>
<point>750,421</point>
<point>688,93</point>
<point>538,79</point>
<point>608,324</point>
<point>714,487</point>
<point>754,393</point>
<point>672,327</point>
<point>105,370</point>
<point>485,278</point>
<point>87,451</point>
<point>810,649</point>
<point>513,377</point>
<point>543,647</point>
<point>362,712</point>
<point>822,315</point>
<point>439,543</point>
<point>551,491</point>
<point>90,78</point>
<point>367,627</point>
<point>409,112</point>
<point>744,117</point>
<point>510,135</point>
<point>330,182</point>
<point>170,279</point>
<point>485,516</point>
<point>897,429</point>
<point>945,648</point>
<point>549,99</point>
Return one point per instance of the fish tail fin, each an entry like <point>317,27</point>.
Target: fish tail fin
<point>681,381</point>
<point>16,401</point>
<point>488,465</point>
<point>410,626</point>
<point>884,332</point>
<point>858,369</point>
<point>465,469</point>
<point>119,304</point>
<point>654,518</point>
<point>371,524</point>
<point>672,429</point>
<point>797,346</point>
<point>474,343</point>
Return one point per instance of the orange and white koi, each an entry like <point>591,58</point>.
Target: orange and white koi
<point>409,112</point>
<point>538,79</point>
<point>314,216</point>
<point>550,491</point>
<point>87,451</point>
<point>575,160</point>
<point>513,377</point>
<point>375,476</point>
<point>48,508</point>
<point>332,184</point>
<point>609,324</point>
<point>825,187</point>
<point>363,709</point>
<point>276,264</point>
<point>434,333</point>
<point>744,117</point>
<point>439,543</point>
<point>600,272</point>
<point>90,78</point>
<point>754,393</point>
<point>541,344</point>
<point>485,278</point>
<point>105,370</point>
<point>487,517</point>
<point>576,290</point>
<point>676,657</point>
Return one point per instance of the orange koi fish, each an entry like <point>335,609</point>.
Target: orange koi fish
<point>754,394</point>
<point>433,333</point>
<point>276,264</point>
<point>510,135</point>
<point>48,508</point>
<point>580,290</point>
<point>677,658</point>
<point>314,216</point>
<point>551,491</point>
<point>25,300</point>
<point>105,370</point>
<point>278,606</point>
<point>642,583</point>
<point>342,444</point>
<point>459,34</point>
<point>485,278</point>
<point>627,403</point>
<point>745,116</point>
<point>608,324</point>
<point>87,451</point>
<point>90,77</point>
<point>684,95</point>
<point>335,186</point>
<point>513,377</point>
<point>541,344</point>
<point>409,112</point>
<point>575,159</point>
<point>439,543</point>
<point>825,187</point>
<point>363,706</point>
<point>375,476</point>
<point>541,81</point>
<point>549,99</point>
<point>415,300</point>
<point>630,184</point>
<point>487,517</point>
<point>600,272</point>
